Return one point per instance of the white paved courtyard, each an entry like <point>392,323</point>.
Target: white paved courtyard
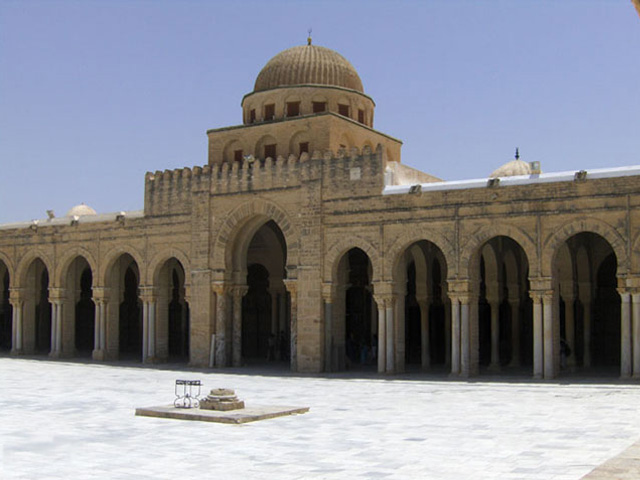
<point>63,420</point>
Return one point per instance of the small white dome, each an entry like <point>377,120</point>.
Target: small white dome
<point>513,168</point>
<point>80,210</point>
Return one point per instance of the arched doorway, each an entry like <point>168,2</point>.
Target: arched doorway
<point>37,310</point>
<point>354,329</point>
<point>172,313</point>
<point>588,305</point>
<point>124,323</point>
<point>421,287</point>
<point>505,319</point>
<point>266,329</point>
<point>6,311</point>
<point>80,313</point>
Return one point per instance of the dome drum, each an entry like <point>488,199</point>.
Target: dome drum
<point>287,102</point>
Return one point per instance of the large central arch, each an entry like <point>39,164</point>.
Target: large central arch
<point>253,313</point>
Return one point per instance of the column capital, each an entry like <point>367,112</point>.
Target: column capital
<point>462,297</point>
<point>327,292</point>
<point>386,299</point>
<point>567,290</point>
<point>383,288</point>
<point>625,293</point>
<point>57,294</point>
<point>148,293</point>
<point>538,295</point>
<point>540,283</point>
<point>100,294</point>
<point>239,290</point>
<point>291,284</point>
<point>220,287</point>
<point>423,299</point>
<point>459,287</point>
<point>16,295</point>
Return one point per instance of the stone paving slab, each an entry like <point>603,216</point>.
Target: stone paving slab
<point>66,420</point>
<point>625,466</point>
<point>253,413</point>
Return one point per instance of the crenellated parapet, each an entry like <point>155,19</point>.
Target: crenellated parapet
<point>168,192</point>
<point>171,191</point>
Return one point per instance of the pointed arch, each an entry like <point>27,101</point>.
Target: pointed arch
<point>66,259</point>
<point>158,261</point>
<point>394,253</point>
<point>486,233</point>
<point>8,263</point>
<point>247,219</point>
<point>25,262</point>
<point>553,242</point>
<point>112,256</point>
<point>341,246</point>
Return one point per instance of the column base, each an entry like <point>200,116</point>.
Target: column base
<point>16,353</point>
<point>55,355</point>
<point>494,368</point>
<point>99,355</point>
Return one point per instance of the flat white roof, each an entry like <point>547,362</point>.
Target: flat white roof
<point>516,180</point>
<point>58,221</point>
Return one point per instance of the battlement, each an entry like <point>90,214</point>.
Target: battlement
<point>170,192</point>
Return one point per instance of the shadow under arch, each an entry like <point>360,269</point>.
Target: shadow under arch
<point>352,324</point>
<point>587,306</point>
<point>254,248</point>
<point>124,329</point>
<point>501,310</point>
<point>423,333</point>
<point>6,309</point>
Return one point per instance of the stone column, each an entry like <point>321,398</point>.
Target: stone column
<point>389,302</point>
<point>101,301</point>
<point>274,312</point>
<point>382,333</point>
<point>494,303</point>
<point>149,339</point>
<point>56,298</point>
<point>568,295</point>
<point>424,303</point>
<point>584,293</point>
<point>465,336</point>
<point>327,296</point>
<point>17,303</point>
<point>635,334</point>
<point>56,328</point>
<point>625,333</point>
<point>282,321</point>
<point>455,336</point>
<point>550,344</point>
<point>292,287</point>
<point>220,354</point>
<point>399,334</point>
<point>514,305</point>
<point>538,336</point>
<point>447,330</point>
<point>238,292</point>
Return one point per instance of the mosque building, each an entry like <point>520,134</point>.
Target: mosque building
<point>306,240</point>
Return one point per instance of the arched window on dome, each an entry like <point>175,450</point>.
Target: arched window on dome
<point>269,111</point>
<point>319,107</point>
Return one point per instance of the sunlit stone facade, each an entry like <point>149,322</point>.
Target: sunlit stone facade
<point>304,240</point>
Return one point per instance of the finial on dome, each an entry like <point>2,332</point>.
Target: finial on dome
<point>309,37</point>
<point>517,153</point>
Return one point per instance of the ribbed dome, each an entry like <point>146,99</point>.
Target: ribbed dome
<point>512,169</point>
<point>80,210</point>
<point>308,65</point>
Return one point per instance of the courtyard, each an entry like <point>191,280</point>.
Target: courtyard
<point>64,420</point>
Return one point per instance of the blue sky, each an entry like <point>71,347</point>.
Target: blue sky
<point>95,93</point>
